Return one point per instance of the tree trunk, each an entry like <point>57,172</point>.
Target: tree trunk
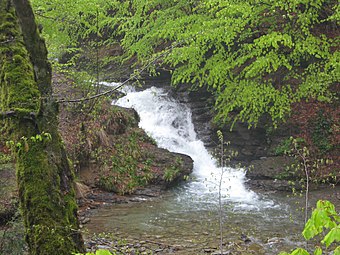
<point>44,176</point>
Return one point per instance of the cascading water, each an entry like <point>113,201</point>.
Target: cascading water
<point>169,123</point>
<point>188,215</point>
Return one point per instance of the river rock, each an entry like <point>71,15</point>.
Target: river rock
<point>221,252</point>
<point>165,159</point>
<point>271,173</point>
<point>82,190</point>
<point>271,168</point>
<point>103,247</point>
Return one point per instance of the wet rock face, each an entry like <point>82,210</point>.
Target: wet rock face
<point>270,169</point>
<point>178,165</point>
<point>253,146</point>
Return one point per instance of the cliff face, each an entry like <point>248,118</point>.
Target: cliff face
<point>261,149</point>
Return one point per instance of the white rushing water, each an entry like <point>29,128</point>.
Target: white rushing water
<point>169,123</point>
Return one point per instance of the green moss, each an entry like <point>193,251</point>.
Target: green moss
<point>49,216</point>
<point>284,147</point>
<point>44,178</point>
<point>5,158</point>
<point>8,201</point>
<point>18,87</point>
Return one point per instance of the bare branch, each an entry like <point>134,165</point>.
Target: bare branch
<point>43,16</point>
<point>84,99</point>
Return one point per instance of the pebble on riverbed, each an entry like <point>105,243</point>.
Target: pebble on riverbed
<point>119,246</point>
<point>128,246</point>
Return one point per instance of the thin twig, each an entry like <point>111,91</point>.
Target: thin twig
<point>46,17</point>
<point>220,208</point>
<point>305,168</point>
<point>84,99</point>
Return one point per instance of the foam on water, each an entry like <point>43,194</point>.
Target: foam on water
<point>169,123</point>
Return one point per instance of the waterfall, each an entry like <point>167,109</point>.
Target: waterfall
<point>191,211</point>
<point>169,123</point>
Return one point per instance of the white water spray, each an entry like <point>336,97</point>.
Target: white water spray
<point>169,123</point>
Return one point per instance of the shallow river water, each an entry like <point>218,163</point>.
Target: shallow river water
<point>188,216</point>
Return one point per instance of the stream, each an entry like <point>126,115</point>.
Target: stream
<point>188,216</point>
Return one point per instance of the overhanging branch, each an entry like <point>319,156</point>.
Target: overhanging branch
<point>84,99</point>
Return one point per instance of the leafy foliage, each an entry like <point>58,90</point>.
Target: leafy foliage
<point>98,252</point>
<point>258,57</point>
<point>66,22</point>
<point>324,217</point>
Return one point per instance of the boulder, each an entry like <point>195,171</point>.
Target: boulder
<point>271,173</point>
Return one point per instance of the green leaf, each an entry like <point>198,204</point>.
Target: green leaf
<point>333,235</point>
<point>300,251</point>
<point>318,251</point>
<point>236,49</point>
<point>337,251</point>
<point>103,252</point>
<point>320,219</point>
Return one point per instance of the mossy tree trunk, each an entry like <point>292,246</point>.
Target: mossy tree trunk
<point>29,114</point>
